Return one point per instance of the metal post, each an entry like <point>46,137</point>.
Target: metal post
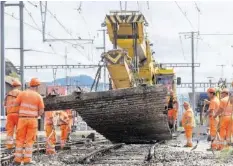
<point>21,6</point>
<point>193,71</point>
<point>2,56</point>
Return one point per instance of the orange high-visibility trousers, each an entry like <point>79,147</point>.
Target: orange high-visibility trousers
<point>64,134</point>
<point>51,139</point>
<point>225,130</point>
<point>11,124</point>
<point>25,138</point>
<point>188,134</point>
<point>213,123</point>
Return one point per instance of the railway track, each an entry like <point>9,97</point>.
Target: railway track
<point>84,151</point>
<point>7,157</point>
<point>106,154</point>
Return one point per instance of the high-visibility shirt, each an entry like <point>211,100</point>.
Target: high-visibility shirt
<point>10,101</point>
<point>214,105</point>
<point>30,103</point>
<point>63,118</point>
<point>188,118</point>
<point>226,106</point>
<point>49,117</point>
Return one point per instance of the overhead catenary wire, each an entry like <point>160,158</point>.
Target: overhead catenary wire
<point>38,29</point>
<point>63,26</point>
<point>184,14</point>
<point>88,29</point>
<point>182,49</point>
<point>30,15</point>
<point>198,26</point>
<point>32,4</point>
<point>59,22</point>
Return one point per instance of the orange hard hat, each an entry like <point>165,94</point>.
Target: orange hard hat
<point>186,103</point>
<point>211,90</point>
<point>34,82</point>
<point>225,90</point>
<point>16,83</point>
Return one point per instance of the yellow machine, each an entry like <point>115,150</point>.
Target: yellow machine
<point>131,61</point>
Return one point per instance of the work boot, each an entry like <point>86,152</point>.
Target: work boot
<point>30,163</point>
<point>189,145</point>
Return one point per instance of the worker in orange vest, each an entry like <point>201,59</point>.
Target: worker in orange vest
<point>70,115</point>
<point>188,122</point>
<point>225,123</point>
<point>31,106</point>
<point>213,122</point>
<point>50,132</point>
<point>172,114</point>
<point>64,127</point>
<point>12,113</point>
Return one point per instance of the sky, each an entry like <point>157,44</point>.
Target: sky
<point>166,20</point>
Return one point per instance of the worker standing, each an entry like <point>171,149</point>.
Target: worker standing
<point>64,127</point>
<point>31,106</point>
<point>188,122</point>
<point>12,113</point>
<point>225,124</point>
<point>50,132</point>
<point>213,122</point>
<point>172,115</point>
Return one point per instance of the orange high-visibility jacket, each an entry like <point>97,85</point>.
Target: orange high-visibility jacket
<point>30,103</point>
<point>10,101</point>
<point>188,118</point>
<point>49,115</point>
<point>226,106</point>
<point>214,105</point>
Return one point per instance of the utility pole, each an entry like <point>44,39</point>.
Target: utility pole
<point>66,70</point>
<point>21,6</point>
<point>210,80</point>
<point>193,71</point>
<point>104,49</point>
<point>222,72</point>
<point>193,66</point>
<point>2,57</point>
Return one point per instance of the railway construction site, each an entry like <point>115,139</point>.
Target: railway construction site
<point>126,105</point>
<point>101,152</point>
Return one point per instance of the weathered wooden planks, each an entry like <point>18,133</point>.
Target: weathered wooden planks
<point>133,115</point>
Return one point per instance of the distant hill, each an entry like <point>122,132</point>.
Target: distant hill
<point>81,80</point>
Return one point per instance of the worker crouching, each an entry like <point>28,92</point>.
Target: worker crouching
<point>188,123</point>
<point>12,113</point>
<point>50,133</point>
<point>31,106</point>
<point>225,114</point>
<point>64,127</point>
